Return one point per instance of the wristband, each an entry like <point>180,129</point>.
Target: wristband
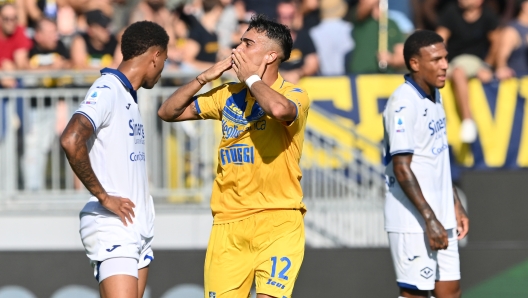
<point>251,80</point>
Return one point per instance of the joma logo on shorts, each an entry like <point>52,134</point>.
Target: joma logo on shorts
<point>274,283</point>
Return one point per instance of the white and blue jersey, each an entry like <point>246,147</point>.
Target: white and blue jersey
<point>117,147</point>
<point>416,123</point>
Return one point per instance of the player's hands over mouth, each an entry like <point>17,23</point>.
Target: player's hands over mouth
<point>215,71</point>
<point>462,221</point>
<point>437,234</point>
<point>244,68</point>
<point>122,207</point>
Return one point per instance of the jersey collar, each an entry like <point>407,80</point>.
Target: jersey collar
<point>123,79</point>
<point>278,83</point>
<point>409,80</point>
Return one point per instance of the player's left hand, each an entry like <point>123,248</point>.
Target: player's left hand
<point>244,68</point>
<point>462,221</point>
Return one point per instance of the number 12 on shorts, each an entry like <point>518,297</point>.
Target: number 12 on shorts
<point>282,273</point>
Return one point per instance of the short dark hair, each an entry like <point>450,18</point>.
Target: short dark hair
<point>274,31</point>
<point>419,39</point>
<point>141,36</point>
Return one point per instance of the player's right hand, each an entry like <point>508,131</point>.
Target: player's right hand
<point>121,207</point>
<point>436,234</point>
<point>215,71</point>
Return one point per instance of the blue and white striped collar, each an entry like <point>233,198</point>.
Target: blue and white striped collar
<point>409,80</point>
<point>122,78</point>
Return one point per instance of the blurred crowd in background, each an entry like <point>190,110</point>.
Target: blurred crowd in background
<point>331,37</point>
<point>486,39</point>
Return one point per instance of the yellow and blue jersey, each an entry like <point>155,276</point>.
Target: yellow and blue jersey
<point>258,157</point>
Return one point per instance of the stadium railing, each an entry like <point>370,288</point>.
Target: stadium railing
<point>342,190</point>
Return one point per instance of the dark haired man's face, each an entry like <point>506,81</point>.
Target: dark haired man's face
<point>155,69</point>
<point>431,65</point>
<point>255,45</point>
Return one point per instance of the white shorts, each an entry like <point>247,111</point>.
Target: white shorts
<point>104,237</point>
<point>417,266</point>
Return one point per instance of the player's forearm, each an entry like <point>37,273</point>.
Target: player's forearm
<point>273,103</point>
<point>176,104</point>
<point>77,154</point>
<point>413,191</point>
<point>73,141</point>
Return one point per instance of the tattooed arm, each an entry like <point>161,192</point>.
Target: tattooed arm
<point>404,175</point>
<point>73,141</point>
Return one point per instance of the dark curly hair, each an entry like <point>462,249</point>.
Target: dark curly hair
<point>419,39</point>
<point>141,36</point>
<point>274,31</point>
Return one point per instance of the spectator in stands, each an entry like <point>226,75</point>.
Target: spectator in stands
<point>47,53</point>
<point>468,28</point>
<point>66,24</point>
<point>332,37</point>
<point>179,24</point>
<point>14,44</point>
<point>366,56</point>
<point>97,47</point>
<point>311,13</point>
<point>201,47</point>
<point>403,13</point>
<point>428,13</point>
<point>37,9</point>
<point>227,26</point>
<point>154,11</point>
<point>303,58</point>
<point>251,7</point>
<point>512,59</point>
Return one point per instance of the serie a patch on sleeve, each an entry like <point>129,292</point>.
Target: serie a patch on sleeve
<point>92,99</point>
<point>400,124</point>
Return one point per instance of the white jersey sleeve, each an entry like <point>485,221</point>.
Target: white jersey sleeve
<point>97,106</point>
<point>400,120</point>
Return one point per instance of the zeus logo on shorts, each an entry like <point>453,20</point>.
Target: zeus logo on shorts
<point>426,272</point>
<point>212,294</point>
<point>238,154</point>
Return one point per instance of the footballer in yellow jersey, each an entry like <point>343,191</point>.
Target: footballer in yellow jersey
<point>258,230</point>
<point>258,157</point>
